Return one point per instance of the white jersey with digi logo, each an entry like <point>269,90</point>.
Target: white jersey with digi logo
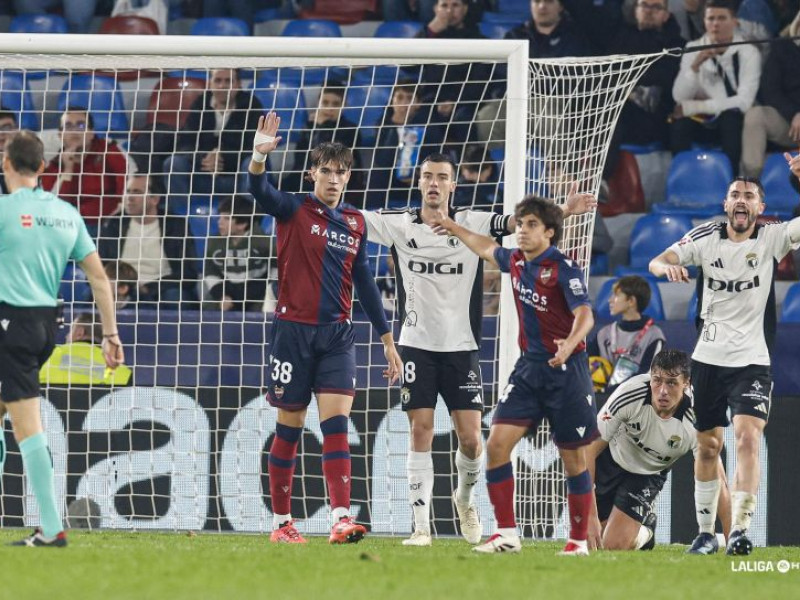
<point>640,441</point>
<point>439,279</point>
<point>737,280</point>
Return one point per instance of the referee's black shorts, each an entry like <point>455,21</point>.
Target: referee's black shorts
<point>27,339</point>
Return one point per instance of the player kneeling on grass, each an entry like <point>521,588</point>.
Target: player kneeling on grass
<point>551,379</point>
<point>645,426</point>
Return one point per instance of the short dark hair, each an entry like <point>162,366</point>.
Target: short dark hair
<point>25,152</point>
<point>334,87</point>
<point>731,5</point>
<point>240,208</point>
<point>437,157</point>
<point>332,152</point>
<point>95,328</point>
<point>754,180</point>
<point>633,285</point>
<point>675,362</point>
<point>238,71</point>
<point>155,185</point>
<point>407,85</point>
<point>120,271</point>
<point>8,114</point>
<point>546,211</point>
<point>80,109</point>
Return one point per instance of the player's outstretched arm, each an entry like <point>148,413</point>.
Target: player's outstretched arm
<point>577,204</point>
<point>667,265</point>
<point>274,202</point>
<point>794,224</point>
<point>265,141</point>
<point>103,296</point>
<point>481,245</point>
<point>794,163</point>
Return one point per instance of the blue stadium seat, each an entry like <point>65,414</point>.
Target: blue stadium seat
<point>651,235</point>
<point>494,31</point>
<point>512,20</point>
<point>286,99</point>
<point>654,310</point>
<point>780,196</point>
<point>398,29</point>
<point>643,148</point>
<point>696,183</point>
<point>101,96</point>
<point>74,286</point>
<point>268,224</point>
<point>201,227</point>
<point>16,97</point>
<point>38,24</point>
<point>497,155</point>
<point>599,264</point>
<point>365,106</point>
<point>267,14</point>
<point>790,311</point>
<point>220,26</point>
<point>514,7</point>
<point>312,28</point>
<point>378,257</point>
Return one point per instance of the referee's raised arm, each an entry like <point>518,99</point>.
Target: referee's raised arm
<point>39,233</point>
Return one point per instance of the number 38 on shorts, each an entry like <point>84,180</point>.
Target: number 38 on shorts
<point>309,358</point>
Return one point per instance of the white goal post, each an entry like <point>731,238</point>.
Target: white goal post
<point>185,447</point>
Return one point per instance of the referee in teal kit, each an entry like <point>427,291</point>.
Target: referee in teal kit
<point>39,233</point>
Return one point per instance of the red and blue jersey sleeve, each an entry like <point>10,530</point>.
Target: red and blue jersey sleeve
<point>273,201</point>
<point>572,283</point>
<point>502,257</point>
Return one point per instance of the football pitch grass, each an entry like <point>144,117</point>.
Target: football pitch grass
<point>143,565</point>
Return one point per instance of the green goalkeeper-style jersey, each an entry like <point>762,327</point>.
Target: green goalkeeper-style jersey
<point>39,233</point>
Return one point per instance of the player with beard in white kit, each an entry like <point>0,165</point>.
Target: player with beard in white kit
<point>731,362</point>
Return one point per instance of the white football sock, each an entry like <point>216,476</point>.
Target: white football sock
<point>339,512</point>
<point>469,470</point>
<point>706,495</point>
<point>743,505</point>
<point>420,488</point>
<point>508,532</point>
<point>278,520</point>
<point>643,537</point>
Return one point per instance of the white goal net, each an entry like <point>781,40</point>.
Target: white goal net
<point>184,444</point>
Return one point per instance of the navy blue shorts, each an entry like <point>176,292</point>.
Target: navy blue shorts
<point>563,394</point>
<point>305,358</point>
